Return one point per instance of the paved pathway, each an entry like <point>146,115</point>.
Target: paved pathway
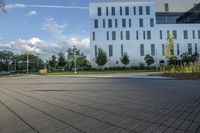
<point>60,104</point>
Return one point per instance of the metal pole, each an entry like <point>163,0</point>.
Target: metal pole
<point>156,60</point>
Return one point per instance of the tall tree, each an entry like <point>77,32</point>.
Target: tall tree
<point>149,59</point>
<point>61,60</point>
<point>101,58</point>
<point>125,59</point>
<point>53,62</point>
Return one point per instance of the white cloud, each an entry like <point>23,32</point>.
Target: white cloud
<point>18,5</point>
<point>31,13</point>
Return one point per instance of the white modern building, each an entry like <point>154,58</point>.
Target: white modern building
<point>139,28</point>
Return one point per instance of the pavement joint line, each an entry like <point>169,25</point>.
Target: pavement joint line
<point>18,116</point>
<point>43,112</point>
<point>68,110</point>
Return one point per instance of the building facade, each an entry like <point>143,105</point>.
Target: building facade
<point>131,27</point>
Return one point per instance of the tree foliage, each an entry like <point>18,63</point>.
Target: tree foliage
<point>125,59</point>
<point>101,58</point>
<point>2,6</point>
<point>169,49</point>
<point>53,62</point>
<point>187,58</point>
<point>61,60</point>
<point>149,59</point>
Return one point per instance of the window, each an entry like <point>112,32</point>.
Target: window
<point>127,35</point>
<point>175,34</point>
<point>107,35</point>
<point>110,50</point>
<point>116,24</point>
<point>161,34</point>
<point>151,22</point>
<point>178,49</point>
<point>196,48</point>
<point>144,35</point>
<point>104,23</point>
<point>185,32</point>
<point>113,11</point>
<point>134,10</point>
<point>121,35</point>
<point>193,34</point>
<point>120,10</point>
<point>140,10</point>
<point>123,23</point>
<point>137,35</point>
<point>147,10</point>
<point>93,36</point>
<point>122,50</point>
<point>166,6</point>
<point>148,35</point>
<point>107,11</point>
<point>189,48</point>
<point>109,23</point>
<point>141,49</point>
<point>129,22</point>
<point>95,50</point>
<point>198,34</point>
<point>99,11</point>
<point>141,22</point>
<point>163,49</point>
<point>127,10</point>
<point>96,25</point>
<point>152,49</point>
<point>113,35</point>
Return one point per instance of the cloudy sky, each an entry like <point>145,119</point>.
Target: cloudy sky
<point>45,26</point>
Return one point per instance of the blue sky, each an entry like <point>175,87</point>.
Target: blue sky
<point>27,26</point>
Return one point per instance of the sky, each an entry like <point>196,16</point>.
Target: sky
<point>45,27</point>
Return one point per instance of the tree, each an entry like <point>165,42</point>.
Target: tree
<point>53,62</point>
<point>101,58</point>
<point>187,58</point>
<point>149,59</point>
<point>2,6</point>
<point>61,60</point>
<point>125,59</point>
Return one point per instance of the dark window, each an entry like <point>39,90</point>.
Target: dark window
<point>95,50</point>
<point>148,35</point>
<point>198,34</point>
<point>93,36</point>
<point>141,49</point>
<point>144,35</point>
<point>122,50</point>
<point>104,23</point>
<point>166,6</point>
<point>137,35</point>
<point>175,34</point>
<point>178,49</point>
<point>134,10</point>
<point>148,10</point>
<point>107,35</point>
<point>127,35</point>
<point>193,34</point>
<point>107,10</point>
<point>116,24</point>
<point>190,48</point>
<point>123,23</point>
<point>140,10</point>
<point>110,50</point>
<point>163,49</point>
<point>113,35</point>
<point>152,49</point>
<point>196,48</point>
<point>161,34</point>
<point>113,11</point>
<point>120,10</point>
<point>129,22</point>
<point>185,32</point>
<point>96,25</point>
<point>109,23</point>
<point>127,10</point>
<point>141,22</point>
<point>99,11</point>
<point>151,22</point>
<point>121,35</point>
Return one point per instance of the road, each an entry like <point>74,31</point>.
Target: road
<point>67,104</point>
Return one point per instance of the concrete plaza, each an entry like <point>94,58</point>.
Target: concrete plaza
<point>67,104</point>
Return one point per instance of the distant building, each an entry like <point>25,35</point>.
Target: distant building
<point>140,27</point>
